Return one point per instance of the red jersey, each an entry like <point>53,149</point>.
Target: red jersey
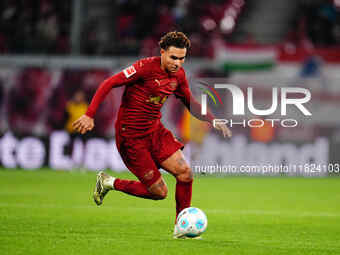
<point>147,88</point>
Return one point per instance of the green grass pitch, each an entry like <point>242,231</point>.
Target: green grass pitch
<point>52,212</point>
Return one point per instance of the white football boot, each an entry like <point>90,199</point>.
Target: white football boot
<point>178,235</point>
<point>103,185</point>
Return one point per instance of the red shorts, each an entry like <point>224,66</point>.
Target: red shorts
<point>143,155</point>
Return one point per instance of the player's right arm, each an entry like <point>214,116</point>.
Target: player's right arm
<point>184,93</point>
<point>127,76</point>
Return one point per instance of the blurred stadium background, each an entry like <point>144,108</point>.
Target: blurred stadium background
<point>54,54</point>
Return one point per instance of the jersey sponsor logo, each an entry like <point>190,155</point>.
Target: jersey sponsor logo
<point>157,99</point>
<point>129,71</point>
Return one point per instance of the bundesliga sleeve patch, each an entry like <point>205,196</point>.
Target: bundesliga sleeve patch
<point>129,71</point>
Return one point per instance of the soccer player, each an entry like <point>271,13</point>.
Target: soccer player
<point>144,144</point>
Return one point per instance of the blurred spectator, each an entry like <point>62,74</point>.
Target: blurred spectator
<point>43,26</point>
<point>28,99</point>
<point>75,108</point>
<point>1,95</point>
<point>319,22</point>
<point>262,131</point>
<point>38,26</point>
<point>3,116</point>
<point>134,28</point>
<point>192,129</point>
<point>140,24</point>
<point>69,83</point>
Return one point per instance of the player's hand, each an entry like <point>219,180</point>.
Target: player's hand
<point>83,124</point>
<point>224,129</point>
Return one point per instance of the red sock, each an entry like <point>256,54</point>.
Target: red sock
<point>183,195</point>
<point>134,188</point>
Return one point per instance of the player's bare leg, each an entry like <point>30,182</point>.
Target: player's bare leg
<point>178,167</point>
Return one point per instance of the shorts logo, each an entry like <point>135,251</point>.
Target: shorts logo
<point>148,176</point>
<point>129,71</point>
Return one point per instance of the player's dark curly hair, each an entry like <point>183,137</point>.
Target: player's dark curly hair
<point>176,39</point>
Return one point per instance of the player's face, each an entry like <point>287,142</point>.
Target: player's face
<point>173,58</point>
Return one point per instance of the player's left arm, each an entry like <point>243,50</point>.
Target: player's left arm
<point>190,102</point>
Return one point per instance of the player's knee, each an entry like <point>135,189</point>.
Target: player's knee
<point>186,174</point>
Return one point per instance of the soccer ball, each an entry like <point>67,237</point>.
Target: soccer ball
<point>191,222</point>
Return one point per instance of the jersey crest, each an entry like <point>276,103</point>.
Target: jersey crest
<point>129,71</point>
<point>173,84</point>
